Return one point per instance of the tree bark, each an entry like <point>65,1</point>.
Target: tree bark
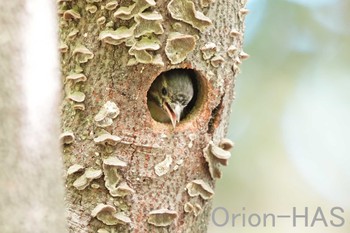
<point>125,171</point>
<point>31,193</point>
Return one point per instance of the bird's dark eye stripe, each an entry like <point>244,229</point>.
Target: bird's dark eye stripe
<point>164,91</point>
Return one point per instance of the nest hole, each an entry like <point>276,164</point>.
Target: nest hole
<point>169,89</point>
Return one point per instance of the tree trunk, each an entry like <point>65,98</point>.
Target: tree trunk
<point>127,172</point>
<point>31,193</point>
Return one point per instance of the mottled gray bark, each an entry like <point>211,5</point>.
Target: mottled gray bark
<point>31,193</point>
<point>125,171</point>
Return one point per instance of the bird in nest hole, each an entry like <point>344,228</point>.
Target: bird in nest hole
<point>169,95</point>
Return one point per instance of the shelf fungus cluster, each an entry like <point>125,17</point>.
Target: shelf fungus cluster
<point>142,36</point>
<point>218,56</point>
<point>76,77</point>
<point>216,155</point>
<point>200,188</point>
<point>147,24</point>
<point>113,183</point>
<point>109,215</point>
<point>107,113</point>
<point>87,176</point>
<point>197,188</point>
<point>82,54</point>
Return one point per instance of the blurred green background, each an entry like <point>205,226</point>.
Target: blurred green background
<point>290,120</point>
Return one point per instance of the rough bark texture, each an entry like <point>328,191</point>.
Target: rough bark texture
<point>31,193</point>
<point>119,74</point>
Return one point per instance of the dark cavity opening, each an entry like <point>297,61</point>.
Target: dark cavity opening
<point>171,89</point>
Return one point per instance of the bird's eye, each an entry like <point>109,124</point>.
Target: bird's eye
<point>164,91</point>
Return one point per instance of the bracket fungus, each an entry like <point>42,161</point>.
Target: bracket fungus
<point>107,113</point>
<point>76,77</point>
<point>124,12</point>
<point>147,23</point>
<point>85,179</point>
<point>122,190</point>
<point>217,61</point>
<point>75,168</point>
<point>178,46</point>
<point>163,167</point>
<point>234,33</point>
<point>109,216</point>
<point>226,144</point>
<point>111,5</point>
<point>112,177</point>
<point>215,155</point>
<point>116,37</point>
<point>67,137</point>
<point>199,188</point>
<point>243,55</point>
<point>79,106</point>
<point>72,34</point>
<point>161,217</point>
<point>101,230</point>
<point>114,161</point>
<point>231,51</point>
<point>91,8</point>
<point>195,209</point>
<point>82,54</point>
<point>71,14</point>
<point>63,47</point>
<point>77,96</point>
<point>139,6</point>
<point>242,13</point>
<point>107,138</point>
<point>141,56</point>
<point>147,43</point>
<point>101,20</point>
<point>209,50</point>
<point>184,10</point>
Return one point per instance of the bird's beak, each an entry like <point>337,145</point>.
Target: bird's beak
<point>174,112</point>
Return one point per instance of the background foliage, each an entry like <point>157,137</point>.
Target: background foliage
<point>290,119</point>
